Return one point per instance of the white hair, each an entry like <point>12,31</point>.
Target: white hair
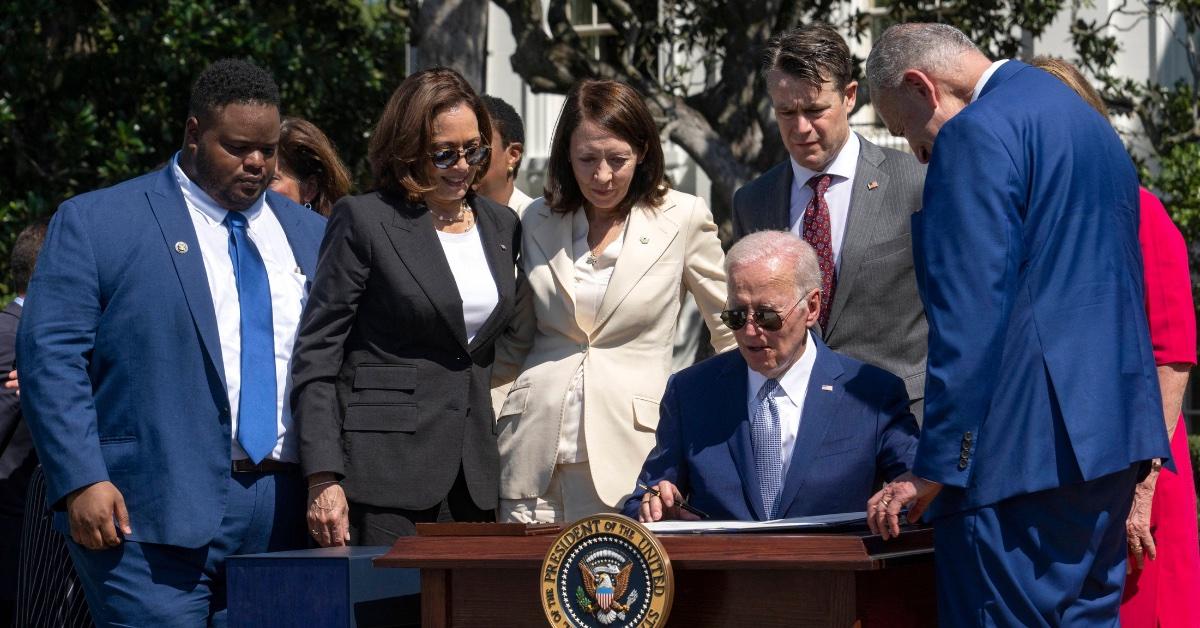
<point>783,247</point>
<point>930,48</point>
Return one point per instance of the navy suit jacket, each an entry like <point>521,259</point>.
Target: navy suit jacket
<point>121,371</point>
<point>855,429</point>
<point>1040,370</point>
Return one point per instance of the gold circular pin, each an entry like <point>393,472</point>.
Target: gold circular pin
<point>181,247</point>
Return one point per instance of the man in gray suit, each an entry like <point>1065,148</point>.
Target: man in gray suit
<point>850,199</point>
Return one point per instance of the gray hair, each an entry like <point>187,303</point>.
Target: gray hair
<point>931,48</point>
<point>784,247</point>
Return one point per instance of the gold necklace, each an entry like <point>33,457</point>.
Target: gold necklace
<point>594,252</point>
<point>459,217</point>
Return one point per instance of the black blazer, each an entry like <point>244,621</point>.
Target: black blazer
<point>17,457</point>
<point>386,390</point>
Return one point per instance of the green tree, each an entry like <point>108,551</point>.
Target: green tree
<point>92,93</point>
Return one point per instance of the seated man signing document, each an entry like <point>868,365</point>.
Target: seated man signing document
<point>783,427</point>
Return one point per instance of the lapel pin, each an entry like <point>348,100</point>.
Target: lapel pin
<point>827,387</point>
<point>181,247</point>
<point>503,247</point>
<point>872,185</point>
<point>644,240</point>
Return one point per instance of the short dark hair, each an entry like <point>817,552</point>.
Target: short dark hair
<point>232,81</point>
<point>618,109</point>
<point>400,145</point>
<point>25,253</point>
<point>813,53</point>
<point>507,123</point>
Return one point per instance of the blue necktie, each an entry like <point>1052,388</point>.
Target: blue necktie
<point>258,403</point>
<point>768,447</point>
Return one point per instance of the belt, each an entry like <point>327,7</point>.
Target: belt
<point>266,466</point>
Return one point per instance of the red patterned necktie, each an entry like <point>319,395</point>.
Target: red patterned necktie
<point>816,233</point>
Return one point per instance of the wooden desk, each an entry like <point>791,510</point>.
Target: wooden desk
<point>851,579</point>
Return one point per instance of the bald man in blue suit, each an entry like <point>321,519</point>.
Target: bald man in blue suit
<point>1042,404</point>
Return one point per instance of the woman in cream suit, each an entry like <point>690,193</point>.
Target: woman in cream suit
<point>609,253</point>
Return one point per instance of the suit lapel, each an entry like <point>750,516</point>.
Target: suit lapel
<point>865,205</point>
<point>779,204</point>
<point>730,405</point>
<point>179,236</point>
<point>416,243</point>
<point>552,234</point>
<point>304,246</point>
<point>500,263</point>
<point>819,412</point>
<point>647,236</point>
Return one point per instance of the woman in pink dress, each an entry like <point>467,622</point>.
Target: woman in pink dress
<point>1165,591</point>
<point>1162,587</point>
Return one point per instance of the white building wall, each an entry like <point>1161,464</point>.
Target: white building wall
<point>1148,50</point>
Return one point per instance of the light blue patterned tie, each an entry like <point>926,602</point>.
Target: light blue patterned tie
<point>258,402</point>
<point>768,446</point>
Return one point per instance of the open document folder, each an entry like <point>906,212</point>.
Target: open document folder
<point>814,523</point>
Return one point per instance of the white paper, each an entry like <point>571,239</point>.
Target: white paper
<point>812,523</point>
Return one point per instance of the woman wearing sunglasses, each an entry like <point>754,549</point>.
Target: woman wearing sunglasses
<point>609,251</point>
<point>395,352</point>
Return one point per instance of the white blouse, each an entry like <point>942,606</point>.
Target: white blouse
<point>591,282</point>
<point>473,276</point>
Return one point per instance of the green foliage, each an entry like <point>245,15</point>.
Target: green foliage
<point>94,93</point>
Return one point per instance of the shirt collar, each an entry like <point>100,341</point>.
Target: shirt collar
<point>199,200</point>
<point>794,381</point>
<point>842,166</point>
<point>987,75</point>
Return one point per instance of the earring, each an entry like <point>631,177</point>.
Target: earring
<point>308,206</point>
<point>510,172</point>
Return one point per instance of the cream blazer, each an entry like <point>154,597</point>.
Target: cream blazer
<point>627,358</point>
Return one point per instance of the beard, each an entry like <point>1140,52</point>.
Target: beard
<point>226,193</point>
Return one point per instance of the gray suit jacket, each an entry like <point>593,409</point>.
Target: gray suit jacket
<point>876,315</point>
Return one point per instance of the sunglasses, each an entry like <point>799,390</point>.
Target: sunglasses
<point>446,157</point>
<point>766,319</point>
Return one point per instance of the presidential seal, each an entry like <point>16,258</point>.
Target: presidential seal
<point>606,571</point>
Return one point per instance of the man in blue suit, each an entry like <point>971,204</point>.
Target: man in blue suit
<point>154,354</point>
<point>783,427</point>
<point>1042,405</point>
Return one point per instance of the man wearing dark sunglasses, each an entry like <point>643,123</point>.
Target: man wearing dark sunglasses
<point>741,432</point>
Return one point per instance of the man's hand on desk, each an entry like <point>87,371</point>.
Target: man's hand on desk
<point>92,511</point>
<point>883,509</point>
<point>656,508</point>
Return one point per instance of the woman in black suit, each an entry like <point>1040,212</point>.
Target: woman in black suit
<point>394,359</point>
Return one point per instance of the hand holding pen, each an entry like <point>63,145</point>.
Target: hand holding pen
<point>666,502</point>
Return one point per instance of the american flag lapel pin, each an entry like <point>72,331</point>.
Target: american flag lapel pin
<point>872,185</point>
<point>827,387</point>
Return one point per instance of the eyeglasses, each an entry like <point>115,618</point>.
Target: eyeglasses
<point>766,319</point>
<point>446,157</point>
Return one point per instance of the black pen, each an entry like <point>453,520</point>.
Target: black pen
<point>682,503</point>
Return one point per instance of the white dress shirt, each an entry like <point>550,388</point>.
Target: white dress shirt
<point>287,300</point>
<point>789,397</point>
<point>472,275</point>
<point>519,201</point>
<point>837,196</point>
<point>591,282</point>
<point>987,74</point>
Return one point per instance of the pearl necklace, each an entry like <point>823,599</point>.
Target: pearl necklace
<point>462,214</point>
